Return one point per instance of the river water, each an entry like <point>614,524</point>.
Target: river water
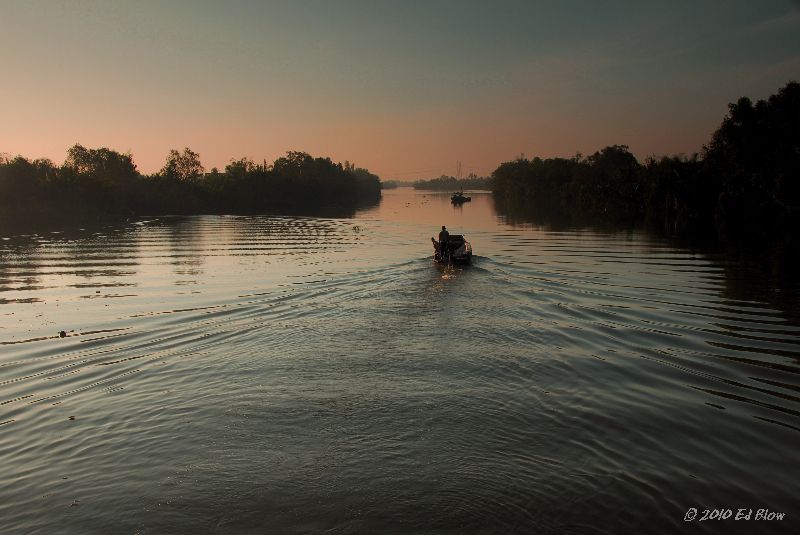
<point>261,374</point>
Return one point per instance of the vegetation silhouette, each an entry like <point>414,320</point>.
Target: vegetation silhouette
<point>744,188</point>
<point>394,184</point>
<point>451,183</point>
<point>102,183</point>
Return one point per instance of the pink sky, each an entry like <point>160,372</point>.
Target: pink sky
<point>398,90</point>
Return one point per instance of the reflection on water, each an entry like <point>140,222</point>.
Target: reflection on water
<point>298,374</point>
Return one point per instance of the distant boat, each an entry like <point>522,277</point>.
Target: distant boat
<point>456,250</point>
<point>459,197</point>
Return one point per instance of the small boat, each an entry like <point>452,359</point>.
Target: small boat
<point>456,250</point>
<point>459,197</point>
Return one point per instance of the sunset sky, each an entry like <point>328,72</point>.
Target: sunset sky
<point>404,89</point>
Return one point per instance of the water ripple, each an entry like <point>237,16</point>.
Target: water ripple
<point>294,374</point>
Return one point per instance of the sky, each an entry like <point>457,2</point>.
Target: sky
<point>405,89</point>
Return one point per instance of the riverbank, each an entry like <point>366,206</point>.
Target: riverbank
<point>102,184</point>
<point>743,188</point>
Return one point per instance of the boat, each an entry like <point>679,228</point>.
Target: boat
<point>459,197</point>
<point>456,250</point>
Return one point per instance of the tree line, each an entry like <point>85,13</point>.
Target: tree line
<point>102,182</point>
<point>451,183</point>
<point>745,185</point>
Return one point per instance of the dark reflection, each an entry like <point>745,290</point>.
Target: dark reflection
<point>342,210</point>
<point>541,376</point>
<point>107,252</point>
<point>101,256</point>
<point>19,262</point>
<point>519,212</point>
<point>281,235</point>
<point>765,274</point>
<point>186,250</point>
<point>458,207</point>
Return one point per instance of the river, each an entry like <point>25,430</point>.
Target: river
<point>262,374</point>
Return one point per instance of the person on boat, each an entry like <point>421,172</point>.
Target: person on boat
<point>443,237</point>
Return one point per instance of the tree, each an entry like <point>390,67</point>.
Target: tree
<point>753,162</point>
<point>240,168</point>
<point>293,164</point>
<point>184,167</point>
<point>101,165</point>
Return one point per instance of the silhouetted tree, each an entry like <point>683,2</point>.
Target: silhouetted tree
<point>183,166</point>
<point>746,186</point>
<point>451,183</point>
<point>103,182</point>
<point>100,164</point>
<point>753,161</point>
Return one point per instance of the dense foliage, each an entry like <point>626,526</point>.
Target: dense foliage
<point>393,184</point>
<point>451,183</point>
<point>101,182</point>
<point>745,185</point>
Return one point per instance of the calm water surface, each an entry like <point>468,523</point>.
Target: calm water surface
<point>296,375</point>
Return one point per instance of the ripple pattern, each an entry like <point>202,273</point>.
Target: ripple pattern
<point>282,374</point>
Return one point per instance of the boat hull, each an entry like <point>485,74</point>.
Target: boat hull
<point>453,259</point>
<point>457,252</point>
<point>459,197</point>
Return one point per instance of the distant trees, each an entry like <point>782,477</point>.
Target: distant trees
<point>607,186</point>
<point>451,183</point>
<point>746,185</point>
<point>103,182</point>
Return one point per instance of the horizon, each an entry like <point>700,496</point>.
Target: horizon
<point>404,90</point>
